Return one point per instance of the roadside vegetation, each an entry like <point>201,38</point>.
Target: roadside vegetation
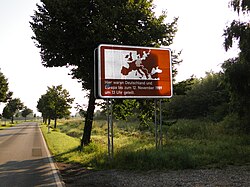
<point>6,124</point>
<point>187,144</point>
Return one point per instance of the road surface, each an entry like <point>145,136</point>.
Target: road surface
<point>25,159</point>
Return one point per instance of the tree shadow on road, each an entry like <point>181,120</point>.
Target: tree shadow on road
<point>27,173</point>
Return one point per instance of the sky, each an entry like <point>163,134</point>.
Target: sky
<point>199,37</point>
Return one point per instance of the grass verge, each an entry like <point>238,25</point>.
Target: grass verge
<point>6,125</point>
<point>187,144</point>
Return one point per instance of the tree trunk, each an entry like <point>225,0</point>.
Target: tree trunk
<point>12,120</point>
<point>55,123</point>
<point>88,120</point>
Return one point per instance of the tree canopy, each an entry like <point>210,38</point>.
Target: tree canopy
<point>12,108</point>
<point>26,111</point>
<point>4,89</point>
<point>55,103</point>
<point>67,32</point>
<point>205,97</point>
<point>237,70</point>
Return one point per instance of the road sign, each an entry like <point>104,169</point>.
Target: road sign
<point>133,72</point>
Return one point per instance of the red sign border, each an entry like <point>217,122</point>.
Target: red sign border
<point>101,66</point>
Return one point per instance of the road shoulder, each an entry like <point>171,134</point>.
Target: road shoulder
<point>55,169</point>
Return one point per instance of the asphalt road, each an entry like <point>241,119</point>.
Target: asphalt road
<point>25,159</point>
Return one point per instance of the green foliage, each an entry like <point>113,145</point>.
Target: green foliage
<point>237,80</point>
<point>6,125</point>
<point>190,144</point>
<point>182,87</point>
<point>194,129</point>
<point>124,108</point>
<point>175,61</point>
<point>72,128</point>
<point>145,112</point>
<point>58,142</point>
<point>235,123</point>
<point>12,108</point>
<point>67,32</point>
<point>241,6</point>
<point>55,103</point>
<point>136,109</point>
<point>4,89</point>
<point>26,111</point>
<point>206,97</point>
<point>148,159</point>
<point>6,113</point>
<point>142,109</point>
<point>237,70</point>
<point>193,98</point>
<point>43,107</point>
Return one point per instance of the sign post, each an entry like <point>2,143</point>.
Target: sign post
<point>110,128</point>
<point>158,121</point>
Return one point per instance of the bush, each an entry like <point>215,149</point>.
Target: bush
<point>232,123</point>
<point>194,129</point>
<point>151,159</point>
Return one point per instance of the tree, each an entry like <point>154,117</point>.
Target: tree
<point>237,70</point>
<point>206,97</point>
<point>4,89</point>
<point>59,102</point>
<point>81,111</point>
<point>44,107</point>
<point>12,107</point>
<point>55,104</point>
<point>6,113</point>
<point>41,107</point>
<point>182,87</point>
<point>67,32</point>
<point>26,111</point>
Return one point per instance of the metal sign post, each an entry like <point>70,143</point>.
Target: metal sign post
<point>110,129</point>
<point>158,121</point>
<point>160,143</point>
<point>156,126</point>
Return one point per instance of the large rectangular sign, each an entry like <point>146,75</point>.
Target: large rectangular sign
<point>134,72</point>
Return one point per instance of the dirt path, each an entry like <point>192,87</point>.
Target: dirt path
<point>74,175</point>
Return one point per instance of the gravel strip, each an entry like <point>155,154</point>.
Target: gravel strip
<point>231,176</point>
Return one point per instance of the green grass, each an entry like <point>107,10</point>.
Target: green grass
<point>187,144</point>
<point>60,145</point>
<point>7,124</point>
